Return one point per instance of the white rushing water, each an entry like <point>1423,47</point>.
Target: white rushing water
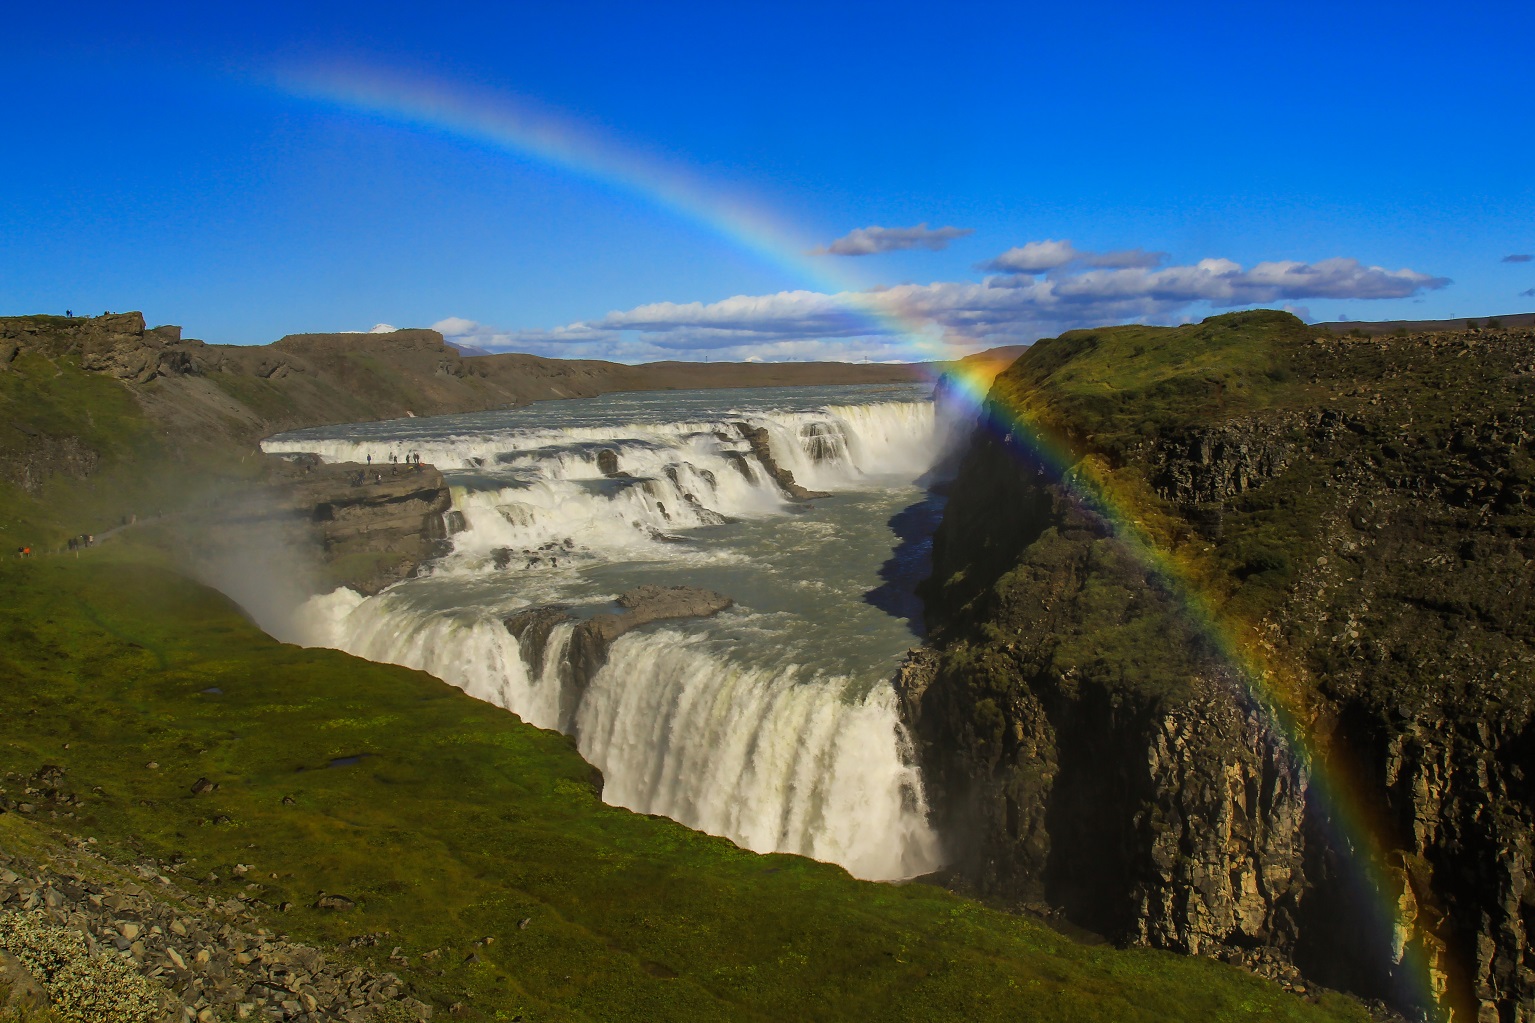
<point>773,723</point>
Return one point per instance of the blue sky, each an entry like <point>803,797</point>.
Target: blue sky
<point>1362,160</point>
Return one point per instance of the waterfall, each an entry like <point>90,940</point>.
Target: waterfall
<point>765,756</point>
<point>540,496</point>
<point>725,726</point>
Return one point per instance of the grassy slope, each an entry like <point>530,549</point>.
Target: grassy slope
<point>1411,411</point>
<point>43,400</point>
<point>463,821</point>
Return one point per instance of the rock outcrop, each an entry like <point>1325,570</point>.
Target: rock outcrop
<point>593,637</point>
<point>757,437</point>
<point>363,527</point>
<point>1361,810</point>
<point>387,519</point>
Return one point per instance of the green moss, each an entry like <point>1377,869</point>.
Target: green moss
<point>466,822</point>
<point>1113,386</point>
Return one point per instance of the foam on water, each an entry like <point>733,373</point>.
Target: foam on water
<point>773,724</point>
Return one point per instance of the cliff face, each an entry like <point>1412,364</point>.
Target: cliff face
<point>1361,514</point>
<point>363,527</point>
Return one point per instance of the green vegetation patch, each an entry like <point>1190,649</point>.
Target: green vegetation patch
<point>1110,387</point>
<point>478,847</point>
<point>78,455</point>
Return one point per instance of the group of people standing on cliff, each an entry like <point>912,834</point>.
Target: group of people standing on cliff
<point>411,459</point>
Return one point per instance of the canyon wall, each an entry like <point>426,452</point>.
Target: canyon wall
<point>1359,515</point>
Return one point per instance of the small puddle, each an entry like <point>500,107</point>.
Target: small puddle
<point>213,691</point>
<point>348,761</point>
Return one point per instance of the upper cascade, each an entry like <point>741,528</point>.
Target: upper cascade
<point>534,496</point>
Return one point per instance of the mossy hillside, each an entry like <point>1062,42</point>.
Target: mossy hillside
<point>1099,400</point>
<point>89,456</point>
<point>459,822</point>
<point>1103,390</point>
<point>1364,419</point>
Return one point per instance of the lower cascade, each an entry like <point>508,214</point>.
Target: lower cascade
<point>771,722</point>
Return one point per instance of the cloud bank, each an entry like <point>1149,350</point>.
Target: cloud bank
<point>869,241</point>
<point>1036,290</point>
<point>1518,257</point>
<point>1038,257</point>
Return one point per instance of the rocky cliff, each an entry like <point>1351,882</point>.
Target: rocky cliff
<point>359,526</point>
<point>1359,515</point>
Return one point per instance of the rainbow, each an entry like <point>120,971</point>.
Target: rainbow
<point>522,129</point>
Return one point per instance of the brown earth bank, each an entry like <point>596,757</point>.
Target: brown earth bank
<point>1491,324</point>
<point>1360,513</point>
<point>245,393</point>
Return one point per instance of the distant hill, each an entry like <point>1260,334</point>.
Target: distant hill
<point>1374,327</point>
<point>244,393</point>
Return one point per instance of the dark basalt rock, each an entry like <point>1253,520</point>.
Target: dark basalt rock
<point>592,638</point>
<point>532,627</point>
<point>590,642</point>
<point>1085,747</point>
<point>757,437</point>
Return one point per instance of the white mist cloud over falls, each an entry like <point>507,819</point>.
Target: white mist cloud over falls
<point>772,724</point>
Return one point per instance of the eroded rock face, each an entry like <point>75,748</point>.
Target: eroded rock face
<point>393,513</point>
<point>42,456</point>
<point>365,527</point>
<point>757,437</point>
<point>591,639</point>
<point>1087,750</point>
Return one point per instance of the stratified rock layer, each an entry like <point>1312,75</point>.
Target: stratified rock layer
<point>593,637</point>
<point>1093,749</point>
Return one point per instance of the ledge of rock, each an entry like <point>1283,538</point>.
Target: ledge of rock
<point>367,526</point>
<point>757,437</point>
<point>592,638</point>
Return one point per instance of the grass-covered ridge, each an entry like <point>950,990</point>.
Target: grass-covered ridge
<point>460,822</point>
<point>1102,389</point>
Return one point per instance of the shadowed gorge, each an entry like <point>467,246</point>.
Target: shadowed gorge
<point>1358,513</point>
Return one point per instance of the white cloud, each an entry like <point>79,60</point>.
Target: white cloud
<point>381,328</point>
<point>1039,257</point>
<point>867,241</point>
<point>1033,258</point>
<point>945,318</point>
<point>1225,284</point>
<point>455,326</point>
